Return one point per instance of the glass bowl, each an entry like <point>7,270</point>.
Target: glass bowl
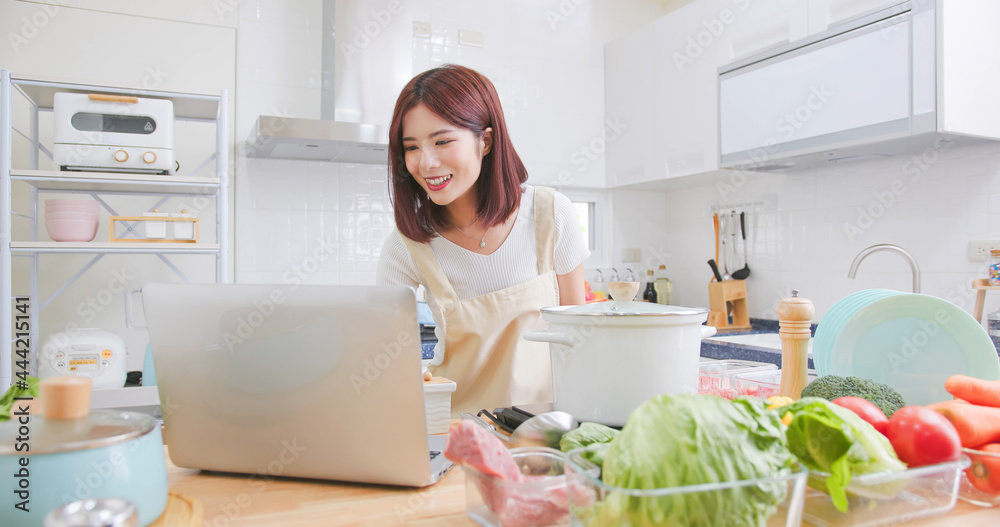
<point>539,501</point>
<point>719,377</point>
<point>980,495</point>
<point>595,503</point>
<point>895,498</point>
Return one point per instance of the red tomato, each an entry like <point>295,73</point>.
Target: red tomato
<point>922,436</point>
<point>866,410</point>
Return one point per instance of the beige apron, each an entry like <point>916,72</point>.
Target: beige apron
<point>484,352</point>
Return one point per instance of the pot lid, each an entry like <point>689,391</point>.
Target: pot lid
<point>615,308</point>
<point>46,436</point>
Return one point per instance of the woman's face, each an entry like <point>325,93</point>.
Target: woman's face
<point>444,159</point>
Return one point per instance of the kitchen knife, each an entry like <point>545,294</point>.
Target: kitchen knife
<point>715,270</point>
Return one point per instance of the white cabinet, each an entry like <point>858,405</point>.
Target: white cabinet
<point>661,85</point>
<point>24,181</point>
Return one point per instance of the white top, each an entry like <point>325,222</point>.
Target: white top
<point>473,274</point>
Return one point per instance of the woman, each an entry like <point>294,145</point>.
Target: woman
<point>489,250</point>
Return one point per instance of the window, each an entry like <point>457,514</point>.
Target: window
<point>591,211</point>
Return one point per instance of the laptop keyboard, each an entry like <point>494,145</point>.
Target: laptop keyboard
<point>434,454</point>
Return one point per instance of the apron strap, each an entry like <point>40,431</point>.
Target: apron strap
<point>545,227</point>
<point>429,266</point>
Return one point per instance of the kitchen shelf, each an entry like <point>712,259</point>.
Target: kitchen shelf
<point>113,247</point>
<point>116,182</point>
<point>187,106</point>
<point>37,96</point>
<point>125,397</point>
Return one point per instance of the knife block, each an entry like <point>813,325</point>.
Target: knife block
<point>725,299</point>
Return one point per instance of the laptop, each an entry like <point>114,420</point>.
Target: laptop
<point>309,381</point>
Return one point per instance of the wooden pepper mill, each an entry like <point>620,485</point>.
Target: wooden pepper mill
<point>794,317</point>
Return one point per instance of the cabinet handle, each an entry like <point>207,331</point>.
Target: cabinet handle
<point>112,98</point>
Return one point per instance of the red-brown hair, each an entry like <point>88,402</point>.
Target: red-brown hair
<point>468,100</point>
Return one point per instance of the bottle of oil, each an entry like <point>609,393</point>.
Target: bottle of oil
<point>650,294</point>
<point>662,286</point>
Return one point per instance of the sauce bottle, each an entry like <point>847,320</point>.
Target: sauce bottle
<point>650,294</point>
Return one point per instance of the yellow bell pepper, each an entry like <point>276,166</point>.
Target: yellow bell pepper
<point>777,401</point>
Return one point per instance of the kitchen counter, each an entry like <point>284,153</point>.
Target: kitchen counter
<point>235,500</point>
<point>760,343</point>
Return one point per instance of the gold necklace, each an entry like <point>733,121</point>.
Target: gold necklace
<point>482,243</point>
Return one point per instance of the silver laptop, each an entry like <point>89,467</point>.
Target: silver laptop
<point>310,381</point>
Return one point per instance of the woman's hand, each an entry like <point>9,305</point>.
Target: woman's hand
<point>571,290</point>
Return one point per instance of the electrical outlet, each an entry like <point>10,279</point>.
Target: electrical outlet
<point>631,254</point>
<point>979,250</point>
<point>421,29</point>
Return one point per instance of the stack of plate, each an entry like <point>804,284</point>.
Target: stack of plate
<point>911,342</point>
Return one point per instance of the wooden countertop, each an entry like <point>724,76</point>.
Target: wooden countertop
<point>236,500</point>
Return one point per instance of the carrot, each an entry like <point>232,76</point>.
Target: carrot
<point>976,425</point>
<point>945,404</point>
<point>976,391</point>
<point>984,473</point>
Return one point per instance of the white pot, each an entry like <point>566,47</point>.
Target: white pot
<point>610,357</point>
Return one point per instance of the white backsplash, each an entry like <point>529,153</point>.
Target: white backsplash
<point>310,221</point>
<point>803,242</point>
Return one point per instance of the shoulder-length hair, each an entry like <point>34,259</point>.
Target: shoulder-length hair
<point>468,100</point>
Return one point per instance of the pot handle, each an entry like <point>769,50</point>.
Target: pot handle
<point>708,331</point>
<point>553,337</point>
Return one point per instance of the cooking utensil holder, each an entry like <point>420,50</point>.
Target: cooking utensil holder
<point>725,298</point>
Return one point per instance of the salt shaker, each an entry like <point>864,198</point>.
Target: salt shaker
<point>794,317</point>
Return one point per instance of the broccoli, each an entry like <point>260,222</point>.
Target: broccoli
<point>831,387</point>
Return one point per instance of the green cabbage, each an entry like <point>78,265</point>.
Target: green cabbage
<point>595,437</point>
<point>679,440</point>
<point>832,439</point>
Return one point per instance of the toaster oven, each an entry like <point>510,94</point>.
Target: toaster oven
<point>97,132</point>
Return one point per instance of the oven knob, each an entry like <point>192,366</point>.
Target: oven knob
<point>121,156</point>
<point>149,157</point>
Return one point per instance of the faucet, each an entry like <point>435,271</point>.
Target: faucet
<point>914,268</point>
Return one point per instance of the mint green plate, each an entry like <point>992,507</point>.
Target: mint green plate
<point>913,343</point>
<point>833,321</point>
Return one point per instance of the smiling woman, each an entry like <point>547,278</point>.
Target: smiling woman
<point>489,249</point>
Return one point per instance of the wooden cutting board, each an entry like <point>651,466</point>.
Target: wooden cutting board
<point>181,511</point>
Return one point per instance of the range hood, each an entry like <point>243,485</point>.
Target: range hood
<point>318,140</point>
<point>352,89</point>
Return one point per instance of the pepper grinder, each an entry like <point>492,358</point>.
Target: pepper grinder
<point>794,317</point>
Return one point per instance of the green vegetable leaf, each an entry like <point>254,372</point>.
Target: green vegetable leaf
<point>832,439</point>
<point>7,399</point>
<point>680,440</point>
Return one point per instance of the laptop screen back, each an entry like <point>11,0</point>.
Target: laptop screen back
<point>317,381</point>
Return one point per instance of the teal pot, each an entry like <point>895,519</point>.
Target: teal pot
<point>46,464</point>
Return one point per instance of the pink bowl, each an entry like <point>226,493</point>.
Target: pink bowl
<point>71,215</point>
<point>71,230</point>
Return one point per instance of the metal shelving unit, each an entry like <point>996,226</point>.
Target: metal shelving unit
<point>39,93</point>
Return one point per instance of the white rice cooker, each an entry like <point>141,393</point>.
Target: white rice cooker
<point>90,352</point>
